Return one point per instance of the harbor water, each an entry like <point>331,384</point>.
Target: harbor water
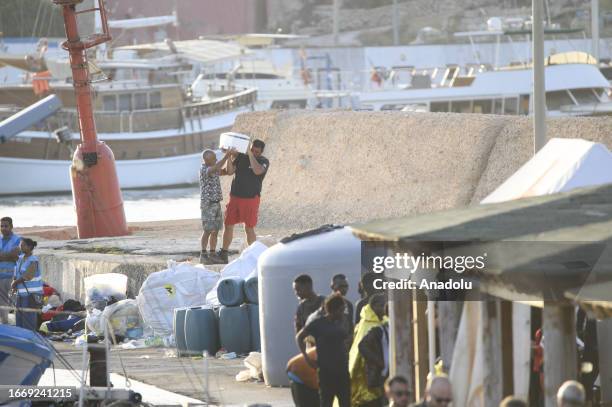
<point>140,206</point>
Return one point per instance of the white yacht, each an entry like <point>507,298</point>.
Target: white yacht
<point>574,86</point>
<point>276,88</point>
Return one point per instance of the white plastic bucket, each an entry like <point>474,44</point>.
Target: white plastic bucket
<point>234,140</point>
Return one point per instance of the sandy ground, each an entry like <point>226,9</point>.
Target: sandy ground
<point>176,239</point>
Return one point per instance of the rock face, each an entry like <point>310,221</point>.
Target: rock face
<point>344,167</point>
<point>314,17</point>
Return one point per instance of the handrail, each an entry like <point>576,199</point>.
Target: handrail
<point>225,98</point>
<point>149,119</point>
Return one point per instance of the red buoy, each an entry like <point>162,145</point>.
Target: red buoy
<point>95,187</point>
<point>97,196</point>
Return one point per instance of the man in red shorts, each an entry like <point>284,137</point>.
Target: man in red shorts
<point>249,171</point>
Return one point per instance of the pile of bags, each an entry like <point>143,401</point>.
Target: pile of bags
<point>107,304</point>
<point>58,323</point>
<point>232,296</point>
<point>229,314</point>
<point>123,319</point>
<point>180,285</point>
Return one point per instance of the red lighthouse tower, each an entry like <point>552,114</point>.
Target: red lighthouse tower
<point>95,187</point>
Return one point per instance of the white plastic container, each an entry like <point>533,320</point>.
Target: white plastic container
<point>234,140</point>
<point>321,256</point>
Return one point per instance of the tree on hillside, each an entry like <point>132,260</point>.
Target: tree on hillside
<point>30,18</point>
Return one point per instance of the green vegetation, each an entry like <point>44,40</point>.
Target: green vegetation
<point>30,18</point>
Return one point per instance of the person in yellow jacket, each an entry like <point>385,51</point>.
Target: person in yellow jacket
<point>372,315</point>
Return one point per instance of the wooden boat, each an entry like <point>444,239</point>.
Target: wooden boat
<point>156,128</point>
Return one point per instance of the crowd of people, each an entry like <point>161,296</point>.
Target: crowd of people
<point>21,285</point>
<point>343,355</point>
<point>344,358</point>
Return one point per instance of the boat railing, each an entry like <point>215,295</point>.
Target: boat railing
<point>136,121</point>
<point>397,77</point>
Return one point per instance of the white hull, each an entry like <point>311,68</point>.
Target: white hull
<point>500,84</point>
<point>41,176</point>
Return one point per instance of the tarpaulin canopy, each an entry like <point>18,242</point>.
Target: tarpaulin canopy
<point>573,219</point>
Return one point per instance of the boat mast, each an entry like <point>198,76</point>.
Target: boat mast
<point>335,22</point>
<point>595,29</point>
<point>95,187</point>
<point>395,19</point>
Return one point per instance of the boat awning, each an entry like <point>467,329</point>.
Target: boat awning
<point>538,248</point>
<point>203,51</point>
<point>144,22</point>
<point>254,39</point>
<point>145,64</point>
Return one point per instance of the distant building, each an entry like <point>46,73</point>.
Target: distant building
<point>196,17</point>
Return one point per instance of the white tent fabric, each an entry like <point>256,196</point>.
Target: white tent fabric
<point>467,373</point>
<point>560,166</point>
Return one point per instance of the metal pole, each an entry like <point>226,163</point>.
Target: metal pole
<point>206,377</point>
<point>395,19</point>
<point>539,96</point>
<point>336,16</point>
<point>431,328</point>
<point>595,28</point>
<point>559,326</point>
<point>106,355</point>
<point>84,371</point>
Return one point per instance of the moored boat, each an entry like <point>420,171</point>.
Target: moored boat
<point>24,356</point>
<point>153,123</point>
<point>574,87</point>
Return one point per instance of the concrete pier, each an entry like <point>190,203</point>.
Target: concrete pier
<point>66,260</point>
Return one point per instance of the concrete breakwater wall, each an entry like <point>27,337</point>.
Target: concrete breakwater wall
<point>344,167</point>
<point>66,271</point>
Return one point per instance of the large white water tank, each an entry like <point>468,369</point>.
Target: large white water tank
<point>321,255</point>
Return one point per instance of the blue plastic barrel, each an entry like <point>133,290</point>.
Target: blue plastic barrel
<point>253,311</point>
<point>178,326</point>
<point>201,332</point>
<point>250,290</point>
<point>229,291</point>
<point>235,329</point>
